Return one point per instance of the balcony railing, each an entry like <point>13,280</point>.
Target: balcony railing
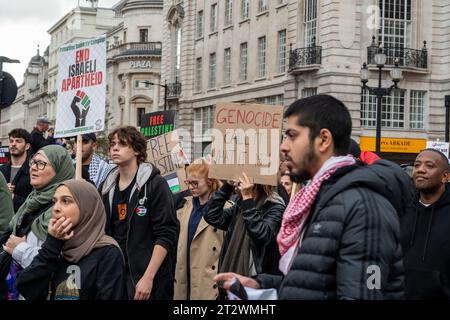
<point>304,57</point>
<point>137,48</point>
<point>173,90</point>
<point>407,58</point>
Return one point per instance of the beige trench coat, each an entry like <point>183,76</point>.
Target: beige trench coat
<point>205,252</point>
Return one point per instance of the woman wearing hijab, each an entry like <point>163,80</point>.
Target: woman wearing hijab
<point>77,261</point>
<point>49,167</point>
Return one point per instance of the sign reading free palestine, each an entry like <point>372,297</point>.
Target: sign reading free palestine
<point>81,88</point>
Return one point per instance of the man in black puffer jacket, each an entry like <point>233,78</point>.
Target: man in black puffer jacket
<point>340,236</point>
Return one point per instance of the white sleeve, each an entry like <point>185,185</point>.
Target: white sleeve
<point>25,252</point>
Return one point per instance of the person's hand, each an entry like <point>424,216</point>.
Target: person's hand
<point>60,228</point>
<point>246,187</point>
<point>233,183</point>
<point>13,242</point>
<point>143,289</point>
<point>11,187</point>
<point>228,278</point>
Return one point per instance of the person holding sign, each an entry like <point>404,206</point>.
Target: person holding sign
<point>199,243</point>
<point>77,260</point>
<point>340,235</point>
<point>140,215</point>
<point>252,225</point>
<point>49,167</point>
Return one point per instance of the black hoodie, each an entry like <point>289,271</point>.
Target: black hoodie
<point>426,249</point>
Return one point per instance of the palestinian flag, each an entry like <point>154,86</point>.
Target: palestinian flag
<point>173,182</point>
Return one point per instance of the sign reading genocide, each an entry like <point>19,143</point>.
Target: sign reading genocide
<point>4,155</point>
<point>246,138</point>
<point>81,88</point>
<point>165,153</point>
<point>157,123</point>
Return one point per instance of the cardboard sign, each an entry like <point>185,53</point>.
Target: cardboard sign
<point>157,123</point>
<point>81,88</point>
<point>165,153</point>
<point>4,155</point>
<point>439,146</point>
<point>246,138</point>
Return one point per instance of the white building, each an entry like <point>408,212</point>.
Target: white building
<point>278,51</point>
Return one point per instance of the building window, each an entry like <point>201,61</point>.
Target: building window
<point>243,63</point>
<point>141,84</point>
<point>227,66</point>
<point>392,110</point>
<point>310,22</point>
<point>213,21</point>
<point>280,2</point>
<point>143,35</point>
<point>395,23</point>
<point>124,37</point>
<point>262,5</point>
<point>309,92</point>
<point>244,9</point>
<point>200,24</point>
<point>139,113</point>
<point>212,71</point>
<point>277,100</point>
<point>281,51</point>
<point>198,74</point>
<point>204,118</point>
<point>261,57</point>
<point>417,109</point>
<point>176,49</point>
<point>228,12</point>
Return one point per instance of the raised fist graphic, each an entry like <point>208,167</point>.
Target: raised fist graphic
<point>80,108</point>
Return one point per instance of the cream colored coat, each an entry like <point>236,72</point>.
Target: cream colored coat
<point>205,252</point>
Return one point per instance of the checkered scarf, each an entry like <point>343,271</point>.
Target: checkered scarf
<point>299,208</point>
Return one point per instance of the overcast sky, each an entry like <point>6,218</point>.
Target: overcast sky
<point>24,25</point>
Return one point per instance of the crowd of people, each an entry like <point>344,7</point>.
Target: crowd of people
<point>341,224</point>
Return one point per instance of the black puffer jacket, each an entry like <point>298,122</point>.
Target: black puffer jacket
<point>262,226</point>
<point>353,230</point>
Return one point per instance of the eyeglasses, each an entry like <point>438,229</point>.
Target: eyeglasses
<point>39,164</point>
<point>193,183</point>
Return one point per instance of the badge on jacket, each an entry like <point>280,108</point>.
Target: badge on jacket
<point>141,211</point>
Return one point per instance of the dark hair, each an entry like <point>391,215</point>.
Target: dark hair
<point>324,112</point>
<point>21,134</point>
<point>131,137</point>
<point>354,149</point>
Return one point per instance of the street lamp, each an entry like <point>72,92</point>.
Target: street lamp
<point>161,85</point>
<point>396,75</point>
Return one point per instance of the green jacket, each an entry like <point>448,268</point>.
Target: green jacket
<point>6,205</point>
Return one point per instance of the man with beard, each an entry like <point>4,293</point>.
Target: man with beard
<point>425,231</point>
<point>16,172</point>
<point>340,235</point>
<point>97,168</point>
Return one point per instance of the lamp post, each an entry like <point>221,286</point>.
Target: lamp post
<point>447,118</point>
<point>161,85</point>
<point>380,92</point>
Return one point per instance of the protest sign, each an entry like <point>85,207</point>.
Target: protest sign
<point>246,139</point>
<point>157,123</point>
<point>439,146</point>
<point>165,153</point>
<point>81,88</point>
<point>4,155</point>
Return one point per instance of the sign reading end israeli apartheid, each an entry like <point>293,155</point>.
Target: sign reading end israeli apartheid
<point>157,123</point>
<point>246,138</point>
<point>165,153</point>
<point>81,88</point>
